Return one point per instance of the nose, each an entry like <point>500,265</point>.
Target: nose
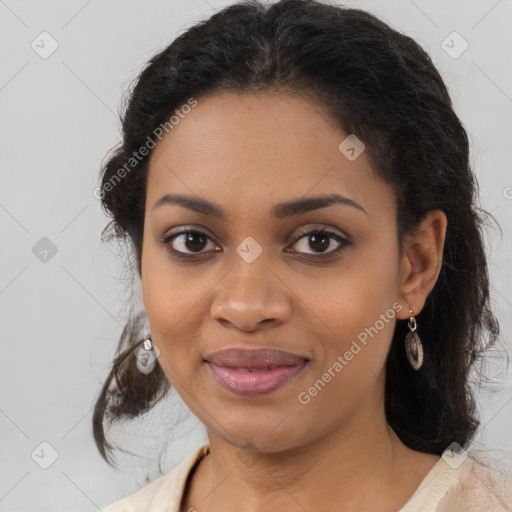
<point>249,296</point>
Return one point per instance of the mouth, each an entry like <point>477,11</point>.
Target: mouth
<point>254,372</point>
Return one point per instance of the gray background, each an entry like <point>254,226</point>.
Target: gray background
<point>62,313</point>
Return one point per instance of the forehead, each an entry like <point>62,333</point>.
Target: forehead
<point>259,149</point>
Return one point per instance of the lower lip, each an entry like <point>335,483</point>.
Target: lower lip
<point>256,382</point>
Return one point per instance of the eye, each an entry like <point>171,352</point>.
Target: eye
<point>189,242</point>
<point>186,240</point>
<point>320,240</point>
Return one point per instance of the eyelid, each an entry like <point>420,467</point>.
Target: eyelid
<point>302,231</point>
<point>186,229</point>
<point>322,228</point>
<point>342,240</point>
<point>333,233</point>
<point>168,238</point>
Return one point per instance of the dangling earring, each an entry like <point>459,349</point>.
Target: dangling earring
<point>145,355</point>
<point>413,346</point>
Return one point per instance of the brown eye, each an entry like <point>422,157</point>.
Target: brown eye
<point>320,241</point>
<point>187,242</point>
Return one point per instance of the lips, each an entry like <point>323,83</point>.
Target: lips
<point>253,359</point>
<point>254,372</point>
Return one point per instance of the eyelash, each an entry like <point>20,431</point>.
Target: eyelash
<point>189,256</point>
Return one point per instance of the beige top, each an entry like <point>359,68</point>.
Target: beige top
<point>452,485</point>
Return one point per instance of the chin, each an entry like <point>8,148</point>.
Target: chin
<point>270,433</point>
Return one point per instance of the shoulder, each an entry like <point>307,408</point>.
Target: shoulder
<point>164,493</point>
<point>484,484</point>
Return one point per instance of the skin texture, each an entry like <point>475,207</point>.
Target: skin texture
<point>337,452</point>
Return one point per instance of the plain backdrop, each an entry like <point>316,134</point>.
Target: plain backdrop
<point>63,295</point>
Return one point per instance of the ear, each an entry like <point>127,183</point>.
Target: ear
<point>421,262</point>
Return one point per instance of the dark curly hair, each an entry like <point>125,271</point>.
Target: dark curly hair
<point>380,85</point>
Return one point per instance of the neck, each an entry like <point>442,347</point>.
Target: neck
<point>360,465</point>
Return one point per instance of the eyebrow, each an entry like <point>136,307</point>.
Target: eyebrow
<point>280,211</point>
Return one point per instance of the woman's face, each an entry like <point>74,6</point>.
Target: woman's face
<point>254,278</point>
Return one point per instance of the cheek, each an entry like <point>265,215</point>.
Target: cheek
<point>350,354</point>
<point>351,314</point>
<point>174,302</point>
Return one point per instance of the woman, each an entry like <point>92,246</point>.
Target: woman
<point>296,188</point>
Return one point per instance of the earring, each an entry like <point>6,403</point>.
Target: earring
<point>413,346</point>
<point>145,355</point>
